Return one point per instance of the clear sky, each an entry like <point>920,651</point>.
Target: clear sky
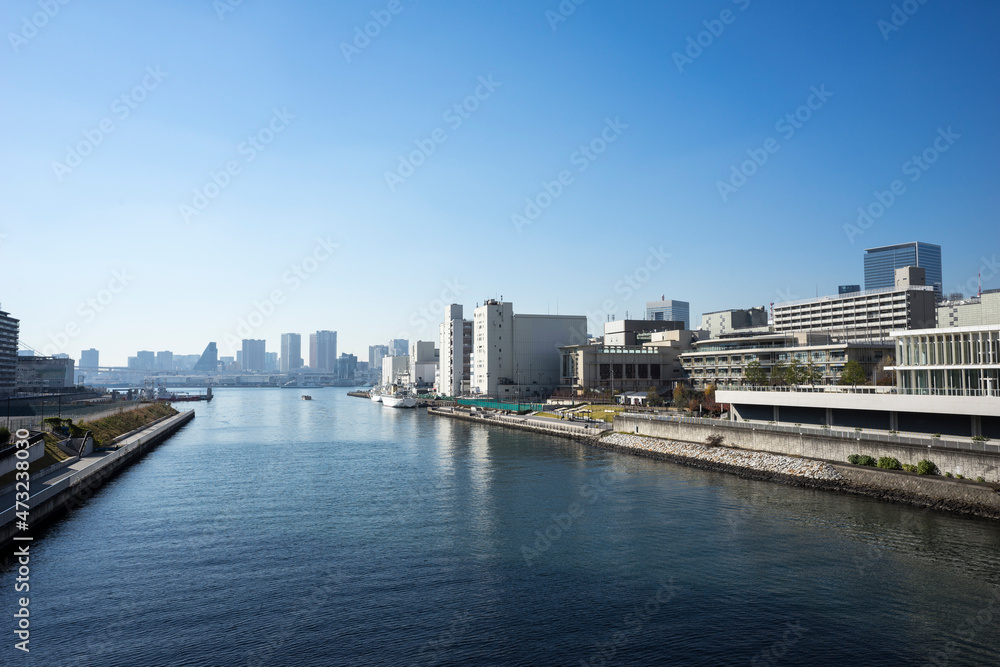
<point>180,166</point>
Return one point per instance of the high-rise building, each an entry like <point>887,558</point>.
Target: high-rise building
<point>670,310</point>
<point>254,357</point>
<point>271,362</point>
<point>518,355</point>
<point>424,358</point>
<point>455,345</point>
<point>323,351</point>
<point>881,264</point>
<point>90,358</point>
<point>8,354</point>
<point>146,359</point>
<point>209,360</point>
<point>399,347</point>
<point>375,355</point>
<point>291,352</point>
<point>165,360</point>
<point>347,366</point>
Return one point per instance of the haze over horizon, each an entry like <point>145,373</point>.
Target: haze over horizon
<point>172,170</point>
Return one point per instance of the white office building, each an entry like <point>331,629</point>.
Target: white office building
<point>517,356</point>
<point>455,340</point>
<point>423,363</point>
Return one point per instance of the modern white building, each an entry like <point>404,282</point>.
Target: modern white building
<point>291,352</point>
<point>517,356</point>
<point>396,370</point>
<point>423,363</point>
<point>871,315</point>
<point>455,340</point>
<point>952,361</point>
<point>722,322</point>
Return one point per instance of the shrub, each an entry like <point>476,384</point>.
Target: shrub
<point>909,467</point>
<point>713,440</point>
<point>889,463</point>
<point>959,476</point>
<point>926,467</point>
<point>947,474</point>
<point>935,435</point>
<point>980,479</point>
<point>868,460</point>
<point>854,458</point>
<point>979,438</point>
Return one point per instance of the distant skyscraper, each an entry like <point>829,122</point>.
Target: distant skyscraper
<point>146,359</point>
<point>209,360</point>
<point>669,310</point>
<point>165,360</point>
<point>90,358</point>
<point>347,366</point>
<point>848,289</point>
<point>254,358</point>
<point>323,351</point>
<point>399,347</point>
<point>881,264</point>
<point>375,355</point>
<point>8,354</point>
<point>271,362</point>
<point>291,352</point>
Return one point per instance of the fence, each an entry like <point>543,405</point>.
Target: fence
<point>965,445</point>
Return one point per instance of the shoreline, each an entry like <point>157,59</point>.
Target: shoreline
<point>955,496</point>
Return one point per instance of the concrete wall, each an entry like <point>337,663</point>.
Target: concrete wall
<point>969,464</point>
<point>36,450</point>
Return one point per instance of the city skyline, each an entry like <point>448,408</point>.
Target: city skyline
<point>268,170</point>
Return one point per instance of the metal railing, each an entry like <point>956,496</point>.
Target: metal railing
<point>871,435</point>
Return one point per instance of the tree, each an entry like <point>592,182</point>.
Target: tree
<point>755,373</point>
<point>709,401</point>
<point>795,373</point>
<point>884,378</point>
<point>853,373</point>
<point>679,395</point>
<point>779,373</point>
<point>812,375</point>
<point>653,398</point>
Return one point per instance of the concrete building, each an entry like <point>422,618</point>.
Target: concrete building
<point>871,315</point>
<point>722,322</point>
<point>424,359</point>
<point>271,363</point>
<point>670,310</point>
<point>253,357</point>
<point>396,370</point>
<point>455,341</point>
<point>44,374</point>
<point>209,360</point>
<point>323,351</point>
<point>881,264</point>
<point>951,361</point>
<point>971,312</point>
<point>517,356</point>
<point>636,332</point>
<point>146,359</point>
<point>375,355</point>
<point>9,328</point>
<point>347,366</point>
<point>723,361</point>
<point>90,358</point>
<point>598,367</point>
<point>165,360</point>
<point>291,352</point>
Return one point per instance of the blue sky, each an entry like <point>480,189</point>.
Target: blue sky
<point>308,232</point>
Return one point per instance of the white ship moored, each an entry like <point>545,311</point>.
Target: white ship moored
<point>398,401</point>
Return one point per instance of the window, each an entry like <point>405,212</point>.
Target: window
<point>643,371</point>
<point>654,371</point>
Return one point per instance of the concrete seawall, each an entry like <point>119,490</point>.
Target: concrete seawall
<point>564,430</point>
<point>967,463</point>
<point>73,490</point>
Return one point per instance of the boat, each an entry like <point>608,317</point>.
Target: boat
<point>306,397</point>
<point>399,400</point>
<point>301,384</point>
<point>162,395</point>
<point>374,394</point>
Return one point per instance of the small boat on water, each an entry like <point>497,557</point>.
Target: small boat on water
<point>399,400</point>
<point>374,394</point>
<point>306,397</point>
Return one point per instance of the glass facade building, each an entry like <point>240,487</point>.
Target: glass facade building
<point>881,264</point>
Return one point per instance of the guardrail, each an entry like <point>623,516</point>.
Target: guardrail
<point>967,445</point>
